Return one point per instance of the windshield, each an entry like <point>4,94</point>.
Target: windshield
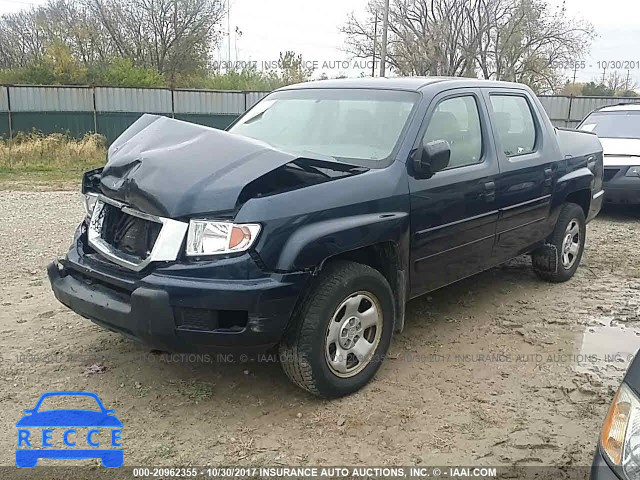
<point>621,124</point>
<point>357,126</point>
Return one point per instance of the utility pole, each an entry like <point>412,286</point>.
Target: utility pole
<point>375,45</point>
<point>385,30</point>
<point>627,83</point>
<point>229,28</point>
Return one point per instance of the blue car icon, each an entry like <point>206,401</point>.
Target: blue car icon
<point>70,419</point>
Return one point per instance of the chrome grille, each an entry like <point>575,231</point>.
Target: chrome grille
<point>133,239</point>
<point>127,233</point>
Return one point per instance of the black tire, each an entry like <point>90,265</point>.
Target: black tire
<point>303,350</point>
<point>548,261</point>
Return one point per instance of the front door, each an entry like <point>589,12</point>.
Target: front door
<point>453,213</point>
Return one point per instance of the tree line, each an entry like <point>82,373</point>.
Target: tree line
<point>174,43</point>
<point>133,43</point>
<point>526,41</point>
<point>613,85</point>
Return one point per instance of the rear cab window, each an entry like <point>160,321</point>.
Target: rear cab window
<point>514,124</point>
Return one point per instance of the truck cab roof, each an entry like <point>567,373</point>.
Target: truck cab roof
<point>403,83</point>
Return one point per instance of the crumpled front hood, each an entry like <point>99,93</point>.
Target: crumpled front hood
<point>174,169</point>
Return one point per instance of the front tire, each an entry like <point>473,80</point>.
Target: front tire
<point>340,332</point>
<point>558,260</point>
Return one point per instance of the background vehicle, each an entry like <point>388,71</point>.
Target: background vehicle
<point>325,209</point>
<point>618,128</point>
<point>618,454</point>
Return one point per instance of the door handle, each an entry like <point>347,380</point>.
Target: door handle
<point>548,177</point>
<point>490,191</point>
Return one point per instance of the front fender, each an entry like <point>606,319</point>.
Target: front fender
<point>311,245</point>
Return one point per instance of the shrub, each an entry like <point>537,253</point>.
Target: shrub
<point>57,153</point>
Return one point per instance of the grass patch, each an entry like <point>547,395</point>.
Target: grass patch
<point>55,159</point>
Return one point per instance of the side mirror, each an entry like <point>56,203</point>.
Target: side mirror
<point>431,158</point>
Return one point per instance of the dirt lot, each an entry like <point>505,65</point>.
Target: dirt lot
<point>500,369</point>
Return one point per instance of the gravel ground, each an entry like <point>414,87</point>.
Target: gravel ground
<point>500,369</point>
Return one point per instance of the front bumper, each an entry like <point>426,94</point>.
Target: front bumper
<point>600,470</point>
<point>620,189</point>
<point>151,307</point>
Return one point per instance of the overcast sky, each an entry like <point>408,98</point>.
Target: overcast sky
<point>312,29</point>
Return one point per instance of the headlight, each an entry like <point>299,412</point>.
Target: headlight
<point>90,200</point>
<point>216,238</point>
<point>621,433</point>
<point>633,172</point>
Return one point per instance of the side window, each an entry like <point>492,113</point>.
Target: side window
<point>457,121</point>
<point>513,121</point>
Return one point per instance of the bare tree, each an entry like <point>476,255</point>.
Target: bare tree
<point>535,44</point>
<point>170,36</point>
<point>523,41</point>
<point>22,40</point>
<point>618,82</point>
<point>416,34</point>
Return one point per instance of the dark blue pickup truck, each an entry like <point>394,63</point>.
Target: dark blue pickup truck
<point>313,220</point>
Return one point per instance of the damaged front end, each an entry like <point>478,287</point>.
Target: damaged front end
<point>300,173</point>
<point>144,261</point>
<point>165,178</point>
<point>175,169</point>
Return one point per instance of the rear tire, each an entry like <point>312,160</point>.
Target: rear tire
<point>558,260</point>
<point>340,332</point>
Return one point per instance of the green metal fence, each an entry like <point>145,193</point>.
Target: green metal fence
<point>77,111</point>
<point>4,124</point>
<point>109,111</point>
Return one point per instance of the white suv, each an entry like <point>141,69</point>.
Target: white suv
<point>618,128</point>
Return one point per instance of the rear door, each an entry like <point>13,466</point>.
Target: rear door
<point>454,213</point>
<point>528,168</point>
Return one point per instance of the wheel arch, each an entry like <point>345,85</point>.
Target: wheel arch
<point>311,245</point>
<point>582,198</point>
<point>390,259</point>
<point>574,187</point>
